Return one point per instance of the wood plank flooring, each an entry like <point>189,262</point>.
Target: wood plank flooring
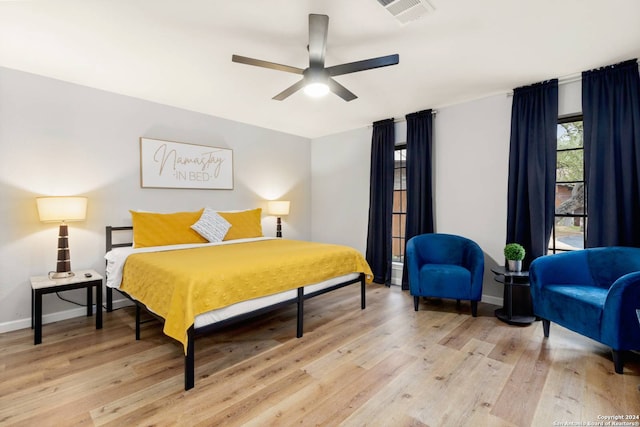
<point>383,366</point>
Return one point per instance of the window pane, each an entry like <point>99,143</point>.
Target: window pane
<point>570,166</point>
<point>569,233</point>
<point>399,201</point>
<point>570,135</point>
<point>400,169</point>
<point>570,199</point>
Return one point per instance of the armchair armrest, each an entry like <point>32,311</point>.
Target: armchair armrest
<point>620,328</point>
<point>474,261</point>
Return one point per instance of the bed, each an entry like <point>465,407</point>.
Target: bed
<point>201,287</point>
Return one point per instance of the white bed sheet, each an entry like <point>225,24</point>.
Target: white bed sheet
<point>117,257</point>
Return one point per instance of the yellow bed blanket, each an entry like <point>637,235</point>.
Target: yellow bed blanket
<point>181,284</point>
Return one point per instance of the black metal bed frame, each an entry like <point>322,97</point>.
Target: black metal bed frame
<point>189,359</point>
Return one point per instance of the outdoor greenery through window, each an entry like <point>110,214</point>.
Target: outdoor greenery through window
<point>569,230</point>
<point>399,203</point>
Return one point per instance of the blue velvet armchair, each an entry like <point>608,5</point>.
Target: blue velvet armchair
<point>445,266</point>
<point>594,292</point>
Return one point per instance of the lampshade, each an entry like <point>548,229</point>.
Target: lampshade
<point>62,209</point>
<point>278,207</point>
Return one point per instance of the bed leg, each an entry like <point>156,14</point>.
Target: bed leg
<point>363,301</point>
<point>189,361</point>
<point>109,299</point>
<point>138,310</point>
<point>299,327</point>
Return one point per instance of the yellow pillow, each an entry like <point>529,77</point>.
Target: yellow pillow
<point>159,229</point>
<point>244,224</point>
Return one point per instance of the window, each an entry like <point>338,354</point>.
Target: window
<point>570,224</point>
<point>399,203</point>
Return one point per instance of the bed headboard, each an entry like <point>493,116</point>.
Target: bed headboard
<point>123,239</point>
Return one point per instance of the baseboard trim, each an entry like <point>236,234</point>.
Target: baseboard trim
<point>15,325</point>
<point>490,299</point>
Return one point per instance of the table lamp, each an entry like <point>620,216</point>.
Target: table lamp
<point>278,208</point>
<point>63,210</point>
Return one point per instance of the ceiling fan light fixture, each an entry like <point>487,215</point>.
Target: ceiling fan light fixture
<point>317,80</point>
<point>316,89</point>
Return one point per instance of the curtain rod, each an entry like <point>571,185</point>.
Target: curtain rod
<point>566,79</point>
<point>569,78</point>
<point>404,119</point>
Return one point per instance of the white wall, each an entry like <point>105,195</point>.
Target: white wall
<point>340,167</point>
<point>58,138</point>
<point>471,160</point>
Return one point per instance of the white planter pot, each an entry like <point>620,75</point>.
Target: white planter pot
<point>513,265</point>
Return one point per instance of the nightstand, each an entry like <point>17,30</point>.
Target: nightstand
<point>41,285</point>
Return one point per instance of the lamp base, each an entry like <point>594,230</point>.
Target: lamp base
<point>61,274</point>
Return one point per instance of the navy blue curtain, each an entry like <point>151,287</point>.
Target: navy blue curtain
<point>419,218</point>
<point>611,114</point>
<point>532,167</point>
<point>381,201</point>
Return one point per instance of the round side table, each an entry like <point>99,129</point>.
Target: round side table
<point>517,308</point>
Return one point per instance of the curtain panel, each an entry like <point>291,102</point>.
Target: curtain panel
<point>611,115</point>
<point>532,167</point>
<point>419,219</point>
<point>378,251</point>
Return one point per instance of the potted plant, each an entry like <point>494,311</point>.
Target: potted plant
<point>514,253</point>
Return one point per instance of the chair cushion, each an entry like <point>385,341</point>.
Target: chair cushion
<point>443,281</point>
<point>575,307</point>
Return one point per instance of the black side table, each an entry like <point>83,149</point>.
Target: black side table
<point>518,308</point>
<point>41,285</point>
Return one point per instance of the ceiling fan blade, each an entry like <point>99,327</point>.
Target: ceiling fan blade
<point>366,64</point>
<point>318,27</point>
<point>266,64</point>
<point>290,90</point>
<point>340,90</point>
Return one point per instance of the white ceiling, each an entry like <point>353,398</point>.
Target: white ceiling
<point>178,52</point>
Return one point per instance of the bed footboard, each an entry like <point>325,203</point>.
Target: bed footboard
<point>189,358</point>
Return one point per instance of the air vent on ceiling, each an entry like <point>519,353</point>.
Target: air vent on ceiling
<point>406,11</point>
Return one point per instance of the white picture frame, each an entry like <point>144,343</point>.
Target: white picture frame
<point>170,164</point>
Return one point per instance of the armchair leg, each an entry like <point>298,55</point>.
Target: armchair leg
<point>618,360</point>
<point>416,301</point>
<point>545,327</point>
<point>474,308</point>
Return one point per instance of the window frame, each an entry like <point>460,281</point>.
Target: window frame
<point>400,238</point>
<point>551,247</point>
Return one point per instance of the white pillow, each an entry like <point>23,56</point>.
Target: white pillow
<point>211,226</point>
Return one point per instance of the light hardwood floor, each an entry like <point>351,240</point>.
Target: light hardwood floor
<point>383,366</point>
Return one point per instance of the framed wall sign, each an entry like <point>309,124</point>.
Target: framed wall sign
<point>168,164</point>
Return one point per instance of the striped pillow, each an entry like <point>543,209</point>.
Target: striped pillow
<point>211,226</point>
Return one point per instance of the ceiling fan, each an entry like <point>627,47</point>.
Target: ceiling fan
<point>317,79</point>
